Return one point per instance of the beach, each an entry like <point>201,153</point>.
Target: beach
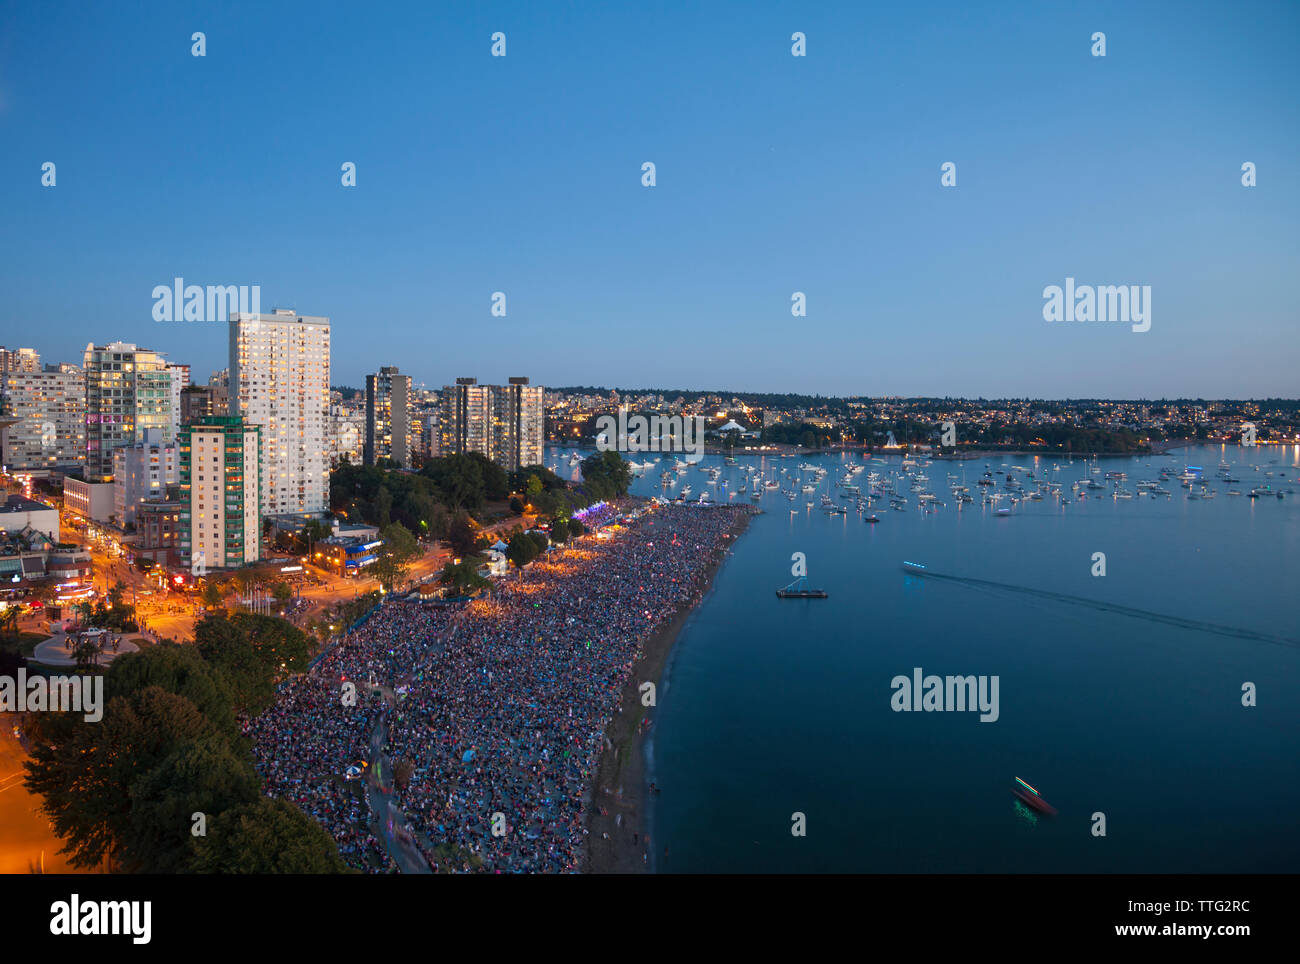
<point>620,788</point>
<point>500,708</point>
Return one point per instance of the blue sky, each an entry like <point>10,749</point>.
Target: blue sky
<point>775,174</point>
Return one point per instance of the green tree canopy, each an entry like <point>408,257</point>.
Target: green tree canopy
<point>605,475</point>
<point>267,836</point>
<point>399,550</point>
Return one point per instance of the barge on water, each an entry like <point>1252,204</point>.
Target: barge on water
<point>799,590</point>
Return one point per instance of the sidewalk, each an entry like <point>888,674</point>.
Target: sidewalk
<point>54,652</point>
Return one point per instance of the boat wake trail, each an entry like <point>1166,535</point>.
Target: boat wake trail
<point>1217,629</point>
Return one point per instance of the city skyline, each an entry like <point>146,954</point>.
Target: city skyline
<point>747,439</point>
<point>776,175</point>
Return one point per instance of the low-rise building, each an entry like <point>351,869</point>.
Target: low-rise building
<point>29,558</point>
<point>19,513</point>
<point>347,555</point>
<point>158,531</point>
<point>90,500</point>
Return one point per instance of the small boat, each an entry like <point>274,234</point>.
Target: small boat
<point>872,518</point>
<point>913,567</point>
<point>1002,512</point>
<point>1030,796</point>
<point>799,590</point>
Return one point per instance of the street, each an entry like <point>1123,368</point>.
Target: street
<point>26,840</point>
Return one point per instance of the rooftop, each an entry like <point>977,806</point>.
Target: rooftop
<point>19,503</point>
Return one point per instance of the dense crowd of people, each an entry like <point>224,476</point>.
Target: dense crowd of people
<point>302,747</point>
<point>495,707</point>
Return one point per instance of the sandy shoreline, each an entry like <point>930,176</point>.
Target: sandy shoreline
<point>620,786</point>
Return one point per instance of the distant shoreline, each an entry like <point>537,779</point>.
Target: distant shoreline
<point>622,767</point>
<point>960,455</point>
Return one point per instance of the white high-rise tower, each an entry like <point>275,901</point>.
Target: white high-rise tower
<point>280,381</point>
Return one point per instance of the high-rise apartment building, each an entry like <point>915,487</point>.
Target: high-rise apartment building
<point>388,417</point>
<point>518,418</point>
<point>196,401</point>
<point>128,392</point>
<point>141,473</point>
<point>280,381</point>
<point>220,523</point>
<point>219,382</point>
<point>502,422</point>
<point>18,360</point>
<point>180,380</point>
<point>466,418</point>
<point>425,436</point>
<point>347,434</point>
<point>50,409</point>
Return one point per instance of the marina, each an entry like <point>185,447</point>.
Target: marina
<point>986,593</point>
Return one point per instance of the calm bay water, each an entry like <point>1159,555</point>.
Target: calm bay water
<point>775,706</point>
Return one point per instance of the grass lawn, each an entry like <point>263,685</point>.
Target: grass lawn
<point>23,644</point>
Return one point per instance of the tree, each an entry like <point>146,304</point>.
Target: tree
<point>521,550</point>
<point>85,772</point>
<point>605,475</point>
<point>496,484</point>
<point>313,531</point>
<point>462,537</point>
<point>463,576</point>
<point>213,593</point>
<point>282,592</point>
<point>268,836</point>
<point>383,507</point>
<point>176,669</point>
<point>576,528</point>
<point>86,654</point>
<point>245,579</point>
<point>459,479</point>
<point>9,622</point>
<point>200,776</point>
<point>399,550</point>
<point>169,746</point>
<point>533,490</point>
<point>278,642</point>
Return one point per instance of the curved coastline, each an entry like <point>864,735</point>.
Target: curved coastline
<point>621,784</point>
